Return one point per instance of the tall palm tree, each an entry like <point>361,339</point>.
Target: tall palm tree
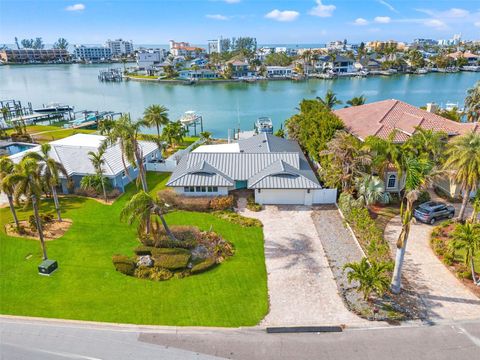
<point>156,115</point>
<point>475,208</point>
<point>357,101</point>
<point>418,175</point>
<point>463,163</point>
<point>49,170</point>
<point>384,152</point>
<point>26,181</point>
<point>6,168</point>
<point>141,207</point>
<point>371,276</point>
<point>427,143</point>
<point>97,160</point>
<point>467,237</point>
<point>174,132</point>
<point>126,134</point>
<point>330,99</point>
<point>472,103</point>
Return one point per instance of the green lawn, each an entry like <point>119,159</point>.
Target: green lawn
<point>87,287</point>
<point>46,133</point>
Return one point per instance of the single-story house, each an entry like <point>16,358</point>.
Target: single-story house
<point>198,74</point>
<point>381,118</point>
<point>279,71</point>
<point>72,153</point>
<point>275,169</point>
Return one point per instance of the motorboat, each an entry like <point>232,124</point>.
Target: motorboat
<point>53,108</point>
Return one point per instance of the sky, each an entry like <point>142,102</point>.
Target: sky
<point>271,22</point>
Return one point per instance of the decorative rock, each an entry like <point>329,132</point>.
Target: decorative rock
<point>200,252</point>
<point>145,260</point>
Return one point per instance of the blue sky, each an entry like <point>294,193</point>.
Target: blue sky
<point>301,21</point>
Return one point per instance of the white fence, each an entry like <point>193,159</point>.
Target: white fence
<point>325,196</point>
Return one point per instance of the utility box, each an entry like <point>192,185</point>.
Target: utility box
<point>47,267</point>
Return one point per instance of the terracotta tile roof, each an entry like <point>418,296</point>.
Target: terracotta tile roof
<point>383,117</point>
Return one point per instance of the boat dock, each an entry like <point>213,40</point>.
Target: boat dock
<point>192,119</point>
<point>111,75</point>
<point>90,119</point>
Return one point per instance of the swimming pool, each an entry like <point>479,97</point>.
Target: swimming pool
<point>15,148</point>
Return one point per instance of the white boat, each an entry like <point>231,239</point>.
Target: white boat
<point>53,108</point>
<point>471,68</point>
<point>264,125</point>
<point>189,117</point>
<point>421,71</point>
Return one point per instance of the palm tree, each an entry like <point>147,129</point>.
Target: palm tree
<point>371,189</point>
<point>6,168</point>
<point>49,170</point>
<point>475,208</point>
<point>174,132</point>
<point>206,136</point>
<point>330,99</point>
<point>26,181</point>
<point>141,207</point>
<point>371,276</point>
<point>467,237</point>
<point>384,152</point>
<point>418,174</point>
<point>156,115</point>
<point>346,158</point>
<point>427,143</point>
<point>472,103</point>
<point>97,160</point>
<point>463,163</point>
<point>357,101</point>
<point>126,134</point>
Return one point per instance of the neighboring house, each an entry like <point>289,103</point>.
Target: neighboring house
<point>274,168</point>
<point>240,68</point>
<point>73,151</point>
<point>198,74</point>
<point>384,117</point>
<point>150,59</point>
<point>337,64</point>
<point>471,58</point>
<point>185,49</point>
<point>198,62</point>
<point>279,71</point>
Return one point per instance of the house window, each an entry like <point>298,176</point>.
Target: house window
<point>215,189</point>
<point>186,189</point>
<point>392,180</point>
<point>204,189</point>
<point>209,189</point>
<point>199,188</point>
<point>123,173</point>
<point>192,188</point>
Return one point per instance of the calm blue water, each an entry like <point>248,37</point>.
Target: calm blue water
<point>222,106</point>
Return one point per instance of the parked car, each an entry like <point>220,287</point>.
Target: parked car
<point>432,211</point>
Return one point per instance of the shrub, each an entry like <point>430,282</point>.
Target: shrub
<point>449,258</point>
<point>143,250</point>
<point>113,194</point>
<point>182,233</point>
<point>160,274</point>
<point>167,243</point>
<point>423,197</point>
<point>187,203</point>
<point>87,192</point>
<point>203,265</point>
<point>143,272</point>
<point>44,219</point>
<point>124,264</point>
<point>252,205</point>
<point>220,203</point>
<point>235,218</point>
<point>171,258</point>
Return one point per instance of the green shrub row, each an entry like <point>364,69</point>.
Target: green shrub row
<point>238,219</point>
<point>203,265</point>
<point>124,264</point>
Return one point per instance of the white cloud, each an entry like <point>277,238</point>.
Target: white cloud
<point>286,15</point>
<point>454,12</point>
<point>477,24</point>
<point>449,14</point>
<point>382,19</point>
<point>388,5</point>
<point>322,10</point>
<point>435,23</point>
<point>217,17</point>
<point>75,7</point>
<point>360,22</point>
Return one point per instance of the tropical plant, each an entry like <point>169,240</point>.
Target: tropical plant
<point>206,136</point>
<point>372,277</point>
<point>371,189</point>
<point>343,160</point>
<point>49,171</point>
<point>472,103</point>
<point>427,143</point>
<point>467,237</point>
<point>156,115</point>
<point>330,100</point>
<point>384,152</point>
<point>141,207</point>
<point>418,174</point>
<point>26,182</point>
<point>97,160</point>
<point>357,101</point>
<point>174,132</point>
<point>463,164</point>
<point>126,134</point>
<point>6,168</point>
<point>61,43</point>
<point>475,208</point>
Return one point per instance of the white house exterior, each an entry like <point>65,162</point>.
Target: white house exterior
<point>120,47</point>
<point>151,58</point>
<point>198,74</point>
<point>274,168</point>
<point>92,53</point>
<point>72,153</point>
<point>279,71</point>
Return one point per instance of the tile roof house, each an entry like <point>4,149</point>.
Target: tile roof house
<point>73,151</point>
<point>274,168</point>
<point>383,118</point>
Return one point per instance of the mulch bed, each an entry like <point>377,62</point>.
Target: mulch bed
<point>51,231</point>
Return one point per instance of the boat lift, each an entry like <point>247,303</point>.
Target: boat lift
<point>192,119</point>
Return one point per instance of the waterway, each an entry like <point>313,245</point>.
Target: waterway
<point>223,106</point>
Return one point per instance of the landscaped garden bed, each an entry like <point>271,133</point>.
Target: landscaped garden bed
<point>160,258</point>
<point>52,229</point>
<point>445,244</point>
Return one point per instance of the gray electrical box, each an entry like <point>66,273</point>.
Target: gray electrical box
<point>47,267</point>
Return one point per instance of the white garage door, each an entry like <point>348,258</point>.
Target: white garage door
<point>280,197</point>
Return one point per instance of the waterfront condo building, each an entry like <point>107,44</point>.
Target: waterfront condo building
<point>92,53</point>
<point>33,55</point>
<point>185,49</point>
<point>120,47</point>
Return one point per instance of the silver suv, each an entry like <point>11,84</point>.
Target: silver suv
<point>432,211</point>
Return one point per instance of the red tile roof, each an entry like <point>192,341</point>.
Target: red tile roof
<point>383,117</point>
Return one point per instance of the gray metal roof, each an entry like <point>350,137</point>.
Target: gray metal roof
<point>258,163</point>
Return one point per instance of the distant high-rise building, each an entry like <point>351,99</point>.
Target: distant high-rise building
<point>92,53</point>
<point>218,46</point>
<point>120,47</point>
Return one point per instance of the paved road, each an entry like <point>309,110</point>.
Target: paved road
<point>58,340</point>
<point>301,286</point>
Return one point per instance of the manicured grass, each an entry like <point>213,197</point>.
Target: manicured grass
<point>46,133</point>
<point>87,287</point>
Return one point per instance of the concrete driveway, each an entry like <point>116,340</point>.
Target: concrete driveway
<point>444,296</point>
<point>301,286</point>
